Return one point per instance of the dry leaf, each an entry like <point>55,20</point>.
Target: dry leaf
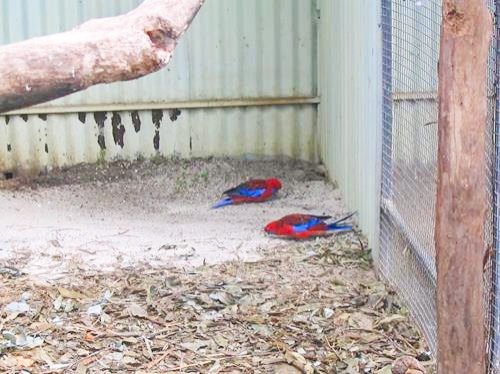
<point>223,297</point>
<point>369,338</point>
<point>390,320</point>
<point>327,312</point>
<point>94,309</point>
<point>407,365</point>
<point>137,311</point>
<point>89,337</point>
<point>81,368</point>
<point>299,362</point>
<point>221,341</point>
<point>40,354</point>
<point>361,320</point>
<point>70,294</point>
<point>286,369</point>
<point>262,330</point>
<point>17,307</point>
<point>385,370</point>
<point>195,345</point>
<point>24,362</point>
<point>215,367</point>
<point>129,360</point>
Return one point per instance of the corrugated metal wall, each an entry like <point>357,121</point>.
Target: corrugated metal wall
<point>244,79</point>
<point>34,142</point>
<point>350,110</point>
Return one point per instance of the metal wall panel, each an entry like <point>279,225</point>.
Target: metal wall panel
<point>40,142</point>
<point>243,76</point>
<point>349,114</point>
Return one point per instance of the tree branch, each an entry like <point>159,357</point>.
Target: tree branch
<point>99,51</point>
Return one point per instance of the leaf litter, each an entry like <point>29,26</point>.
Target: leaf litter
<point>313,307</point>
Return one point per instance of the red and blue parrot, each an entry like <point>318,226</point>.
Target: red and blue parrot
<point>252,191</point>
<point>305,226</point>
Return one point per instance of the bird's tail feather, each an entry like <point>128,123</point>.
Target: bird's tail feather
<point>337,228</point>
<point>223,202</point>
<point>334,226</point>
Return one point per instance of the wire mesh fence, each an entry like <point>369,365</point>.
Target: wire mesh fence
<point>411,33</point>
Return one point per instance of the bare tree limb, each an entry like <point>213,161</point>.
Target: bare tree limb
<point>461,194</point>
<point>99,51</point>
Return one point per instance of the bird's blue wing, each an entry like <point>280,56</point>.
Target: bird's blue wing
<point>249,192</point>
<point>306,225</point>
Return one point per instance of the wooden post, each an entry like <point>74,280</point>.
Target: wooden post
<point>461,193</point>
<point>99,51</point>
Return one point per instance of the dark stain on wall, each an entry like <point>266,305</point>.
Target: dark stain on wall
<point>173,114</point>
<point>118,129</point>
<point>43,116</point>
<point>136,120</point>
<point>157,116</point>
<point>82,116</point>
<point>99,118</point>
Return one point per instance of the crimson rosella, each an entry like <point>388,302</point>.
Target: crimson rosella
<point>252,191</point>
<point>304,226</point>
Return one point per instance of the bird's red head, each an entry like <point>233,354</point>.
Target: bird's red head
<point>278,228</point>
<point>271,228</point>
<point>273,183</point>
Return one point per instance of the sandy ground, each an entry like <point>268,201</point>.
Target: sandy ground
<point>151,212</point>
<point>126,269</point>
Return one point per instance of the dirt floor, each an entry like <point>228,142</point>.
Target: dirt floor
<point>124,268</point>
<point>128,213</point>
